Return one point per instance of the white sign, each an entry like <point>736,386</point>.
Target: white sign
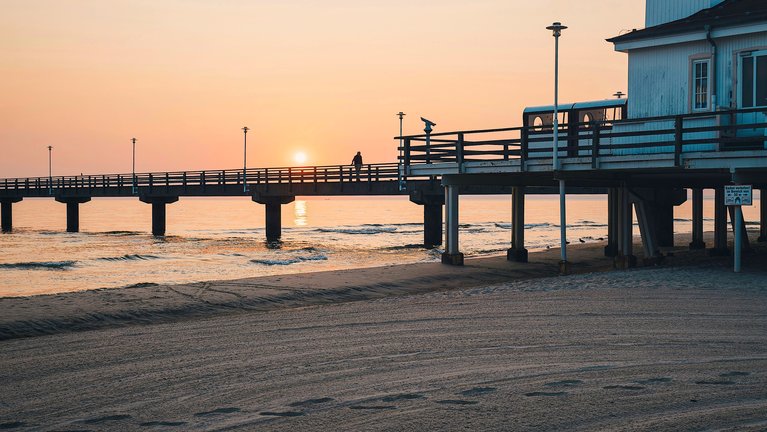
<point>737,195</point>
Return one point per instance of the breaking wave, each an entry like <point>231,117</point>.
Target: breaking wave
<point>46,265</point>
<point>130,257</point>
<point>289,261</point>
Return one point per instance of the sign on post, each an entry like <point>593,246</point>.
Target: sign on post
<point>737,195</point>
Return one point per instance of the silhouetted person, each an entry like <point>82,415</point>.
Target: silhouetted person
<point>357,162</point>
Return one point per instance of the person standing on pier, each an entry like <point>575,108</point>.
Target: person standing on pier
<point>357,162</point>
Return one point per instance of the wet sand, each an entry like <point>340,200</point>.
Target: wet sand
<point>679,347</point>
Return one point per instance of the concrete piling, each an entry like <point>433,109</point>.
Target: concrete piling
<point>273,205</point>
<point>697,220</point>
<point>73,211</point>
<point>6,213</point>
<point>517,252</point>
<point>158,212</point>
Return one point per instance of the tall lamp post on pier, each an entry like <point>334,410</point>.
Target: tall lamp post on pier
<point>557,28</point>
<point>401,170</point>
<point>50,171</point>
<point>245,130</point>
<point>133,170</point>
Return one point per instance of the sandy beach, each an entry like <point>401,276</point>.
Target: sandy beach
<point>492,346</point>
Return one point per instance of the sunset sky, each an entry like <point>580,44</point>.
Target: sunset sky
<point>323,78</point>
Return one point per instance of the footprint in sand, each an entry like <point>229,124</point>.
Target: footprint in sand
<point>98,420</point>
<point>546,394</point>
<point>623,387</point>
<point>564,383</point>
<point>12,425</point>
<point>477,391</point>
<point>282,413</point>
<point>311,402</point>
<point>217,411</point>
<point>456,402</point>
<point>734,374</point>
<point>162,423</point>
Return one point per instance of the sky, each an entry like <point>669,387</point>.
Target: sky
<point>325,78</point>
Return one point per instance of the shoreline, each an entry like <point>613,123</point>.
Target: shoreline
<point>111,307</point>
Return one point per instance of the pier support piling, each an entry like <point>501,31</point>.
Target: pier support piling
<point>73,211</point>
<point>735,218</point>
<point>432,216</point>
<point>697,220</point>
<point>452,255</point>
<point>762,215</point>
<point>720,225</point>
<point>625,258</point>
<point>158,212</point>
<point>273,205</point>
<point>517,252</point>
<point>6,213</point>
<point>613,204</point>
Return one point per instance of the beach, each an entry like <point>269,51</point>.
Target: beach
<point>491,346</point>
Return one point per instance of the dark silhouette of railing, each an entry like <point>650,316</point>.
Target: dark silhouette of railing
<point>583,139</point>
<point>382,172</point>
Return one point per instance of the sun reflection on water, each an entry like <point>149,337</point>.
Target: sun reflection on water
<point>300,218</point>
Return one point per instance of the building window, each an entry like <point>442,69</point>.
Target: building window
<point>701,84</point>
<point>753,80</point>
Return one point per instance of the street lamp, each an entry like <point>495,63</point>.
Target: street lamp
<point>556,29</point>
<point>401,170</point>
<point>50,171</point>
<point>245,130</point>
<point>133,140</point>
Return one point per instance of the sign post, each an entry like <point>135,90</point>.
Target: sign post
<point>737,196</point>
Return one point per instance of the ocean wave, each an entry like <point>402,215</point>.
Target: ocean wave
<point>119,233</point>
<point>44,265</point>
<point>355,231</point>
<point>129,257</point>
<point>405,247</point>
<point>289,261</point>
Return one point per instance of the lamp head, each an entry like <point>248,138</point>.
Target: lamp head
<point>245,129</point>
<point>428,123</point>
<point>556,28</point>
<point>619,94</point>
<point>50,148</point>
<point>401,114</point>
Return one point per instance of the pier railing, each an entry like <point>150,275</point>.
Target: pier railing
<point>723,130</point>
<point>229,177</point>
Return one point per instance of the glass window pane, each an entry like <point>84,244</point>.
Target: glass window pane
<point>761,81</point>
<point>747,82</point>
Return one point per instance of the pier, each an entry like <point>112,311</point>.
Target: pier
<point>646,172</point>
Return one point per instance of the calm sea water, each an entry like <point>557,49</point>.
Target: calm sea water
<point>223,238</point>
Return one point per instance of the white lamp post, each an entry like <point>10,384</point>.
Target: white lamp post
<point>557,28</point>
<point>401,162</point>
<point>245,159</point>
<point>133,170</point>
<point>50,171</point>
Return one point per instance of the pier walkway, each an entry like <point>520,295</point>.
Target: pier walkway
<point>271,187</point>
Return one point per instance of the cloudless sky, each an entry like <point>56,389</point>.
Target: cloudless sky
<point>322,77</point>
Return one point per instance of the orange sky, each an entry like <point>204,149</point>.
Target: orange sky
<point>326,78</point>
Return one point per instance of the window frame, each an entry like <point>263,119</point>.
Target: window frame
<point>755,55</point>
<point>694,84</point>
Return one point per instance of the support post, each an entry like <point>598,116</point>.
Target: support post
<point>762,215</point>
<point>517,252</point>
<point>720,225</point>
<point>73,211</point>
<point>697,220</point>
<point>6,213</point>
<point>736,217</point>
<point>648,232</point>
<point>625,258</point>
<point>738,246</point>
<point>158,211</point>
<point>452,255</point>
<point>432,203</point>
<point>273,205</point>
<point>611,250</point>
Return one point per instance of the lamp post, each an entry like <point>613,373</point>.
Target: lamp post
<point>133,170</point>
<point>556,29</point>
<point>50,171</point>
<point>401,170</point>
<point>245,130</point>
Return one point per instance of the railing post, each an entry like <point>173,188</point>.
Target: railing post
<point>167,182</point>
<point>151,182</point>
<point>428,147</point>
<point>370,174</point>
<point>459,153</point>
<point>203,180</point>
<point>523,147</point>
<point>266,178</point>
<point>678,140</point>
<point>406,154</point>
<point>595,146</point>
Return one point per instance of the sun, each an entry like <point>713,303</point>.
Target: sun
<point>300,157</point>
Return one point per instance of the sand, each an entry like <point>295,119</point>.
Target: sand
<point>679,347</point>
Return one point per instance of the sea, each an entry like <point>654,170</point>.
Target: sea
<point>223,238</point>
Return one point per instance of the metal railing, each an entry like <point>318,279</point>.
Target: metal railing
<point>595,139</point>
<point>230,177</point>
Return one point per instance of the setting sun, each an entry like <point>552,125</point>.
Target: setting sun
<point>300,157</point>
